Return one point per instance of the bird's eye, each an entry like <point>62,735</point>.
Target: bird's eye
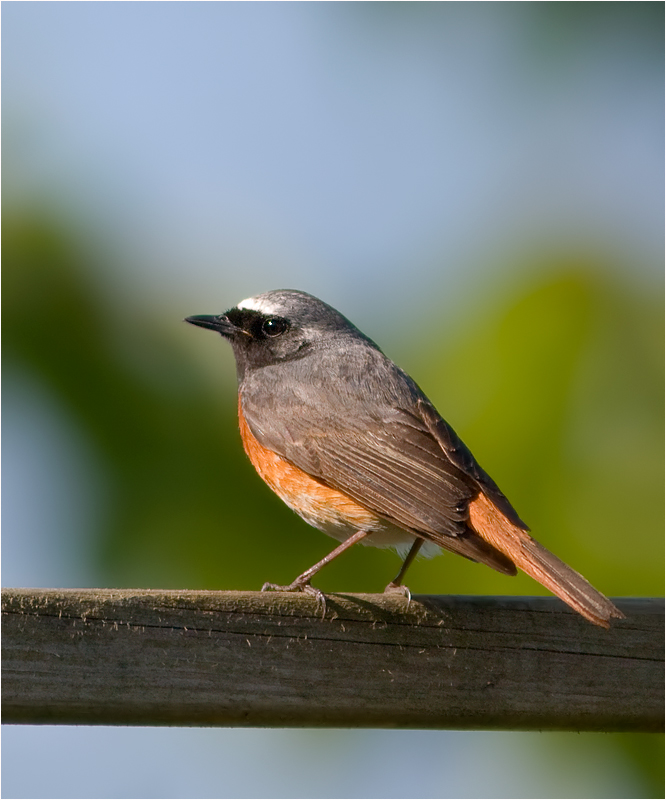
<point>274,326</point>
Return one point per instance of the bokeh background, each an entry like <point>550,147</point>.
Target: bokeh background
<point>478,186</point>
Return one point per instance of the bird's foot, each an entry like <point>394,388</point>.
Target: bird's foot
<point>299,586</point>
<point>399,589</point>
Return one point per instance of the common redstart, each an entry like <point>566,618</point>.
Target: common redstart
<point>348,441</point>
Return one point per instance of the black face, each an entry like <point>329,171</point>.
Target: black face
<point>257,339</point>
<point>257,325</point>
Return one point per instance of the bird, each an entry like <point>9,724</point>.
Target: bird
<point>351,443</point>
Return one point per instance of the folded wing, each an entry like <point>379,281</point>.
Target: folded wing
<point>392,465</point>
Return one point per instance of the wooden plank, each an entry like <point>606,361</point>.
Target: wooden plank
<point>131,657</point>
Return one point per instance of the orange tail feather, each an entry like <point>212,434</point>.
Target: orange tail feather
<point>539,563</point>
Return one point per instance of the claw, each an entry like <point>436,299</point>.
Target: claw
<point>299,586</point>
<point>393,588</point>
<point>318,595</point>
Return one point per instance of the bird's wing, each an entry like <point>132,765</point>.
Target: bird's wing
<point>395,469</point>
<point>460,455</point>
<point>387,459</point>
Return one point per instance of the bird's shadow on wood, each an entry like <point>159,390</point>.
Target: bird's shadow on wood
<point>398,612</point>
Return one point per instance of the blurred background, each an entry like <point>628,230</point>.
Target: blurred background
<point>478,186</point>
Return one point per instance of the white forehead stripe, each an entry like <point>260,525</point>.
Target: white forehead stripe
<point>258,304</point>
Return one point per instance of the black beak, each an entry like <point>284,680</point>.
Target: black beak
<point>218,323</point>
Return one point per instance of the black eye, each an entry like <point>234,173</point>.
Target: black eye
<point>274,326</point>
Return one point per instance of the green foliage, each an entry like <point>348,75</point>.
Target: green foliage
<point>557,390</point>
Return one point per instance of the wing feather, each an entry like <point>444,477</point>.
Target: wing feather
<point>377,439</point>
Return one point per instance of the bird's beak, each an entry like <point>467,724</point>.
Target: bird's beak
<point>219,323</point>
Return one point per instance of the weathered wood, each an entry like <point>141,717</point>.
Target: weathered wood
<point>241,658</point>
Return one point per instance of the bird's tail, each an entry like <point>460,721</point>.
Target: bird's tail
<point>527,554</point>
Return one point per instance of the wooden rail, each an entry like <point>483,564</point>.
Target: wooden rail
<point>132,657</point>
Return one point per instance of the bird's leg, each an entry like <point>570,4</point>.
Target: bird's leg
<point>302,583</point>
<point>396,583</point>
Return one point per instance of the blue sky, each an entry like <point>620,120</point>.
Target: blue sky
<point>341,148</point>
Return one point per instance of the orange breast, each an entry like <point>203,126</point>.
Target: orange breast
<point>318,504</point>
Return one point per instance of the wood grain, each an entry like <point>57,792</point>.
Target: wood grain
<point>134,657</point>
